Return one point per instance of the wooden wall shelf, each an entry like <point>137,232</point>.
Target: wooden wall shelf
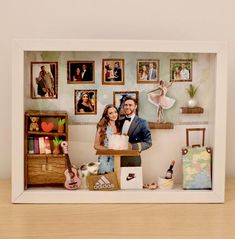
<point>193,110</point>
<point>168,125</point>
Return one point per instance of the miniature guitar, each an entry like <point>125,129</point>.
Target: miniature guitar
<point>72,181</point>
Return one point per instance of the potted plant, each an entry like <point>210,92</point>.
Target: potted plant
<point>56,141</point>
<point>61,123</point>
<point>192,90</point>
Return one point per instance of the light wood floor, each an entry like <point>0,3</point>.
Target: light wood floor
<point>44,221</point>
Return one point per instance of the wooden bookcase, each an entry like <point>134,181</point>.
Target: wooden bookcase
<point>44,167</point>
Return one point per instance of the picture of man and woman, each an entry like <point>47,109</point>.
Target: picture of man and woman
<point>135,127</point>
<point>113,72</point>
<point>112,122</point>
<point>147,71</point>
<point>80,72</point>
<point>44,78</point>
<point>181,70</point>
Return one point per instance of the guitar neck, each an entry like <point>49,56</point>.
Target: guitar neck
<point>64,146</point>
<point>68,163</point>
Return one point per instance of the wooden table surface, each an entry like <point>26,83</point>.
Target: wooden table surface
<point>183,221</point>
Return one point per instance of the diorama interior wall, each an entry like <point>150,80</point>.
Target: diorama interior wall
<point>201,76</point>
<point>167,144</point>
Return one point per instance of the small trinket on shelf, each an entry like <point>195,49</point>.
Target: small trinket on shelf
<point>169,172</point>
<point>61,124</point>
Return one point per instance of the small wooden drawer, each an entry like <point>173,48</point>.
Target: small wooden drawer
<point>55,170</point>
<point>45,170</point>
<point>37,170</point>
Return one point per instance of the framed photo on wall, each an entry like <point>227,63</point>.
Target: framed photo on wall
<point>119,97</point>
<point>113,72</point>
<point>80,72</point>
<point>181,70</point>
<point>85,102</point>
<point>147,71</point>
<point>44,80</point>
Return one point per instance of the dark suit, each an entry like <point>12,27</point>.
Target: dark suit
<point>117,74</point>
<point>138,133</point>
<point>86,76</point>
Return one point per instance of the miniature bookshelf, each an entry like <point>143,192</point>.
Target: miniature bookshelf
<point>42,167</point>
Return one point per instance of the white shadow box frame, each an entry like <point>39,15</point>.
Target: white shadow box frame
<point>217,123</point>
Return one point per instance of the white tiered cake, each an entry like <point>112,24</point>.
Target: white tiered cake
<point>117,141</point>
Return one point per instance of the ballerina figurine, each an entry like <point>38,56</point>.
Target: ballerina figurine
<point>161,100</point>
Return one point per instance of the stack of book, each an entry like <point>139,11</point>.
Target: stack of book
<point>39,145</point>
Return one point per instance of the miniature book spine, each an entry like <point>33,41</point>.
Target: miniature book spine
<point>41,145</point>
<point>30,145</point>
<point>47,145</point>
<point>36,145</point>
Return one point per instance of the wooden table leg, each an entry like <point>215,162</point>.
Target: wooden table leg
<point>117,167</point>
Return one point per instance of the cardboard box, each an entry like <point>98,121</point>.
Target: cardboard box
<point>131,178</point>
<point>103,182</point>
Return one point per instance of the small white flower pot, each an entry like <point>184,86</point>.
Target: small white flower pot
<point>164,183</point>
<point>192,102</point>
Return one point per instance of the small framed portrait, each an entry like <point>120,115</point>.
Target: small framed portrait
<point>80,72</point>
<point>147,71</point>
<point>181,70</point>
<point>119,98</point>
<point>85,102</point>
<point>113,72</point>
<point>44,80</point>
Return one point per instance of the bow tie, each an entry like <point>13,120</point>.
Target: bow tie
<point>127,118</point>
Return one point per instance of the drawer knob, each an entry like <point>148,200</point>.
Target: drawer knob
<point>44,167</point>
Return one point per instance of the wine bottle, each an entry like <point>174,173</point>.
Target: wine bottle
<point>169,171</point>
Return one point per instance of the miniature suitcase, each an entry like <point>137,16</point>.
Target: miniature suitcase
<point>197,161</point>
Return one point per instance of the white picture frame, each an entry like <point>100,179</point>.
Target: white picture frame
<point>177,195</point>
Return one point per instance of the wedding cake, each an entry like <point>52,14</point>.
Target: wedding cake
<point>117,141</point>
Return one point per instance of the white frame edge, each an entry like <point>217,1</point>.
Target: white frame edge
<point>19,195</point>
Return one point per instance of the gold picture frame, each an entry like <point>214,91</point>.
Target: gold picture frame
<point>113,72</point>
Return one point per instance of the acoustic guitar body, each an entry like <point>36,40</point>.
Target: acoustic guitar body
<point>72,181</point>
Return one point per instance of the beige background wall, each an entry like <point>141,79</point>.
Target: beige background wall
<point>129,19</point>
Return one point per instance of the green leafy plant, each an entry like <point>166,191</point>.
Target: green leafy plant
<point>57,141</point>
<point>61,121</point>
<point>192,90</point>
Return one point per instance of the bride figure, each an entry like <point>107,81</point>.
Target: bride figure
<point>161,100</point>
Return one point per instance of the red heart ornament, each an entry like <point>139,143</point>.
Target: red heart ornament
<point>47,127</point>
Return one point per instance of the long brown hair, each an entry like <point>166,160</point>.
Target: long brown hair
<point>89,103</point>
<point>103,123</point>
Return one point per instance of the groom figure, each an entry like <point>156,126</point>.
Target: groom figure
<point>138,131</point>
<point>152,72</point>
